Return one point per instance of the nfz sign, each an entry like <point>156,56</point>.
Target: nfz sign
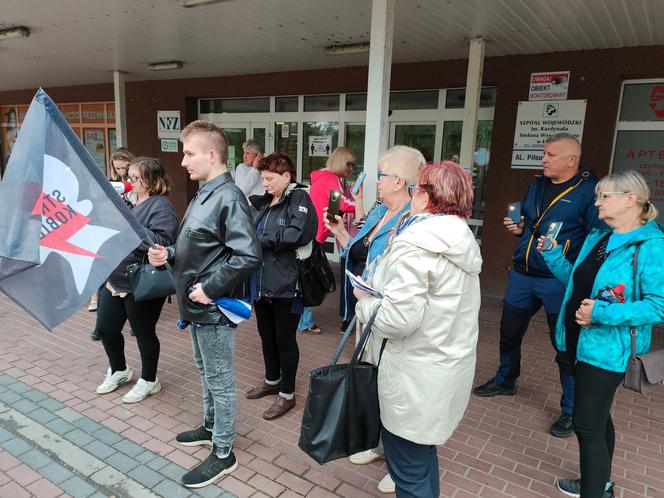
<point>168,124</point>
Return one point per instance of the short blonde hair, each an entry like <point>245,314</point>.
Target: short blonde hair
<point>339,159</point>
<point>631,181</point>
<point>215,135</point>
<point>403,161</point>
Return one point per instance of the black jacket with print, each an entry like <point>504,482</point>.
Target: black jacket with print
<point>282,228</point>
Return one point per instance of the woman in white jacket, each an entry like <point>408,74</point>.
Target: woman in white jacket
<point>429,279</point>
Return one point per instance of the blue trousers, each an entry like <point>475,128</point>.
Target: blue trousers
<point>524,297</point>
<point>412,466</point>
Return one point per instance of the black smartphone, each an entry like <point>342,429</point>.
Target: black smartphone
<point>551,234</point>
<point>333,206</point>
<point>514,212</point>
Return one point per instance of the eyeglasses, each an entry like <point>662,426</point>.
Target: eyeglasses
<point>134,178</point>
<point>383,175</point>
<point>601,196</point>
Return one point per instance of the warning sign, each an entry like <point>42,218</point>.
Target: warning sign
<point>549,86</point>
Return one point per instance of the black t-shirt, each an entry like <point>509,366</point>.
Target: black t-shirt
<point>583,280</point>
<point>553,190</point>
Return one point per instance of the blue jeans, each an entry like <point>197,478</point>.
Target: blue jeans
<point>307,319</point>
<point>412,466</point>
<point>213,346</point>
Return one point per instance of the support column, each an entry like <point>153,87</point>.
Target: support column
<point>120,109</point>
<point>471,106</point>
<point>378,92</point>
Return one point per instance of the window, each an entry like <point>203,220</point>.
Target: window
<point>456,97</point>
<point>285,104</point>
<point>252,104</point>
<point>321,103</point>
<point>413,100</point>
<point>639,143</point>
<point>319,140</point>
<point>356,102</point>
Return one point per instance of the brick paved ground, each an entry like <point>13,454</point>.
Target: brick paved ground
<point>60,439</point>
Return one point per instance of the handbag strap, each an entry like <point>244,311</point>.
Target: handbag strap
<point>632,331</point>
<point>343,340</point>
<point>364,338</point>
<point>360,344</point>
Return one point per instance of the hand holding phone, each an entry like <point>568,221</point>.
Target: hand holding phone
<point>333,206</point>
<point>358,183</point>
<point>551,234</point>
<point>514,212</point>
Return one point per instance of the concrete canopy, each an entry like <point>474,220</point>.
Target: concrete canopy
<point>76,42</point>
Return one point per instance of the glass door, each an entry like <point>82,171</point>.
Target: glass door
<point>259,131</point>
<point>236,134</point>
<point>420,136</point>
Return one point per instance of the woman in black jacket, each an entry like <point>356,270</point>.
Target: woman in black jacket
<point>285,220</point>
<point>157,214</point>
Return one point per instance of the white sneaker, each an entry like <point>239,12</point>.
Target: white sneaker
<point>112,382</point>
<point>366,457</point>
<point>386,485</point>
<point>141,390</point>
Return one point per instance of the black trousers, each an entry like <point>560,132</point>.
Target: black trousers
<point>112,313</point>
<point>593,397</point>
<point>277,327</point>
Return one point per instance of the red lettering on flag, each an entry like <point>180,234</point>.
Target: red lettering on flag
<point>60,222</point>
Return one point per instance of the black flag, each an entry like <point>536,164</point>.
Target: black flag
<point>63,227</point>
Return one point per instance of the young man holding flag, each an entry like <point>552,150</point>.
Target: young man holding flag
<point>215,252</point>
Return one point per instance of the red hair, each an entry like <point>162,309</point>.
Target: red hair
<point>449,187</point>
<point>279,163</point>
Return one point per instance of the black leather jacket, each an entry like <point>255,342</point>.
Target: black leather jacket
<point>217,246</point>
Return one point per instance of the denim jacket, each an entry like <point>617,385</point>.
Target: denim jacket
<point>379,242</point>
<point>606,342</point>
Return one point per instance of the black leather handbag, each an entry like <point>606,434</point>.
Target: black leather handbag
<point>341,415</point>
<point>150,282</point>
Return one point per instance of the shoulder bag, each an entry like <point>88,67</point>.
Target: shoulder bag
<point>314,274</point>
<point>341,415</point>
<point>150,282</point>
<point>645,372</point>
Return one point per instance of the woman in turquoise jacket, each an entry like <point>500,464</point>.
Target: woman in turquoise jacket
<point>596,333</point>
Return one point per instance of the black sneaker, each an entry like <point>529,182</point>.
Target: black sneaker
<point>95,335</point>
<point>491,389</point>
<point>572,487</point>
<point>197,437</point>
<point>562,427</point>
<point>208,471</point>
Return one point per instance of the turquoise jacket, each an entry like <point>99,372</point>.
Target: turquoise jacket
<point>606,342</point>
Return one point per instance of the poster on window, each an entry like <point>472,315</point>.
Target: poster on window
<point>538,120</point>
<point>93,138</point>
<point>9,120</point>
<point>320,146</point>
<point>643,151</point>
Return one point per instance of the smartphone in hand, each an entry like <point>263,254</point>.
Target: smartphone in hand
<point>358,183</point>
<point>333,206</point>
<point>514,212</point>
<point>551,234</point>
